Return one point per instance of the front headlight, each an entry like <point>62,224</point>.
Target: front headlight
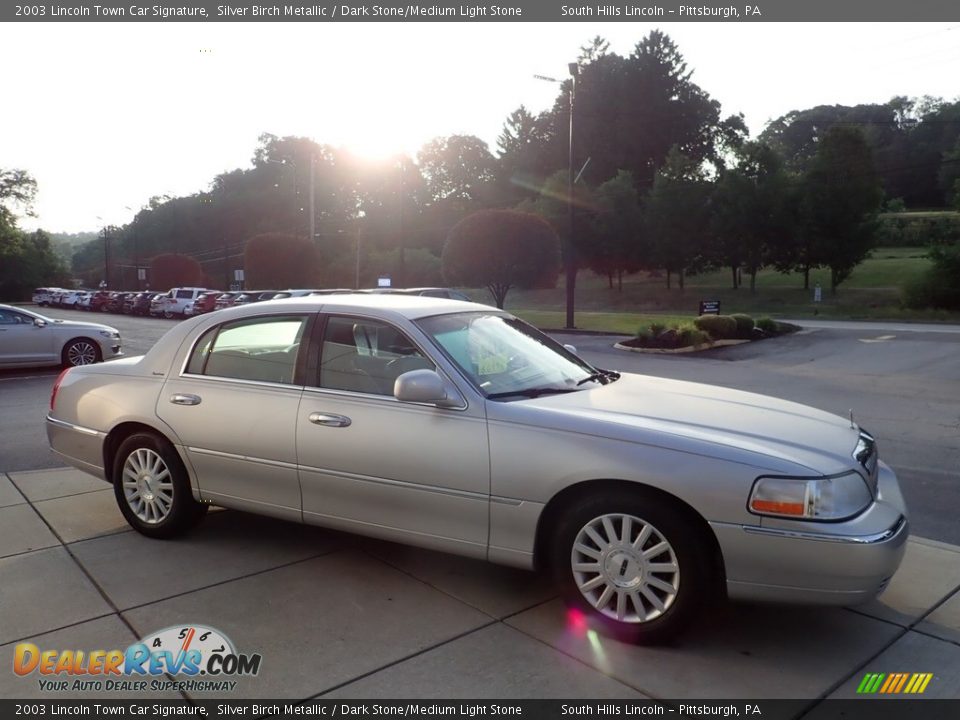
<point>829,498</point>
<point>112,334</point>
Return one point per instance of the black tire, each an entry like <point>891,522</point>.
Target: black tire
<point>182,511</point>
<point>618,565</point>
<point>80,351</point>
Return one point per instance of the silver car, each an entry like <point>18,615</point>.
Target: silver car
<point>457,427</point>
<point>30,339</point>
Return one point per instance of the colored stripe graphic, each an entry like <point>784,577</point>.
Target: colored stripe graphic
<point>894,683</point>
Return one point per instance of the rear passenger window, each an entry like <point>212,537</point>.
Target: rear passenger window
<point>260,349</point>
<point>366,356</point>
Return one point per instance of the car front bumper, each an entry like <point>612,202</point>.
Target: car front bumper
<point>844,563</point>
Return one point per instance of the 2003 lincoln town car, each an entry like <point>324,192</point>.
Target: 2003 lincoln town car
<point>457,427</point>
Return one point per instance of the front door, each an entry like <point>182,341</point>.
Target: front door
<point>23,342</point>
<point>372,464</point>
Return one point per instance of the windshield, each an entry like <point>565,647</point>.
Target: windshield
<point>506,358</point>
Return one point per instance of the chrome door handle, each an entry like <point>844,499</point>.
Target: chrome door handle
<point>328,420</point>
<point>185,399</point>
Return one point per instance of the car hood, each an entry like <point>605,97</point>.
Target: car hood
<point>75,324</point>
<point>779,435</point>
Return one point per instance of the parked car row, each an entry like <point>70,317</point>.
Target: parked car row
<point>189,301</point>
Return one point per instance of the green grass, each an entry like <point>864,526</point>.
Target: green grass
<point>871,292</point>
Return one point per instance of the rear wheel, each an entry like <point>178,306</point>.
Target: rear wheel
<point>152,487</point>
<point>634,563</point>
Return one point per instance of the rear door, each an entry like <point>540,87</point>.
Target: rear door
<point>234,408</point>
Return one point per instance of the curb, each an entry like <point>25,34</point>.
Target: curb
<point>678,351</point>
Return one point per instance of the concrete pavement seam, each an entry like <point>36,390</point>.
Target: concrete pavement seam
<point>441,590</point>
<point>398,661</point>
<point>93,581</point>
<point>281,566</point>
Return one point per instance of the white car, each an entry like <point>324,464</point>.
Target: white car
<point>176,301</point>
<point>43,296</point>
<point>29,339</point>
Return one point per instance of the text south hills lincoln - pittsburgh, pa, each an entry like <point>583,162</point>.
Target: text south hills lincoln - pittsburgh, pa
<point>364,10</point>
<point>729,12</point>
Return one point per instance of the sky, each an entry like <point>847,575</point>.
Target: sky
<point>107,115</point>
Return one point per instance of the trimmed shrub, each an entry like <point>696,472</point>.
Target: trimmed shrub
<point>690,335</point>
<point>745,325</point>
<point>656,328</point>
<point>719,327</point>
<point>768,325</point>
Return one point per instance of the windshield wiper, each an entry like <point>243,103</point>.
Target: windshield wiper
<point>604,376</point>
<point>531,392</point>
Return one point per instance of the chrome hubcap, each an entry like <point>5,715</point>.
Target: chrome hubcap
<point>147,486</point>
<point>625,568</point>
<point>82,353</point>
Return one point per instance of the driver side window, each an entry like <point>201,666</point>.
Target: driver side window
<point>366,356</point>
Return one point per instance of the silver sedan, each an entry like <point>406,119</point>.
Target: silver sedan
<point>457,427</point>
<point>28,339</point>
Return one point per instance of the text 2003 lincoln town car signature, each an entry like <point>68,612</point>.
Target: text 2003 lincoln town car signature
<point>457,427</point>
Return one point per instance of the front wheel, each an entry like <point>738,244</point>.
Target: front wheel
<point>80,352</point>
<point>634,563</point>
<point>152,488</point>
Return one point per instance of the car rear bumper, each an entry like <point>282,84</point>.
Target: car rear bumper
<point>78,446</point>
<point>843,563</point>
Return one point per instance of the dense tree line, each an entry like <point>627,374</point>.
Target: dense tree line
<point>27,259</point>
<point>665,182</point>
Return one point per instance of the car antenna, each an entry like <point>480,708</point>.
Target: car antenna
<point>852,425</point>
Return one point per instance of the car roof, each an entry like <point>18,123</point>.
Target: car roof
<point>411,307</point>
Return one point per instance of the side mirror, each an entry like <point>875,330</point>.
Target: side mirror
<point>570,349</point>
<point>39,322</point>
<point>425,386</point>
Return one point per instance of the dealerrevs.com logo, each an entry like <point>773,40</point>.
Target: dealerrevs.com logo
<point>203,654</point>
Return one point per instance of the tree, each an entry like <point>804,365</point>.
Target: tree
<point>750,211</point>
<point>523,160</point>
<point>458,167</point>
<point>619,242</point>
<point>277,260</point>
<point>501,249</point>
<point>171,270</point>
<point>677,215</point>
<point>842,197</point>
<point>17,191</point>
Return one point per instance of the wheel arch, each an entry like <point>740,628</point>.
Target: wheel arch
<point>116,437</point>
<point>71,341</point>
<point>552,512</point>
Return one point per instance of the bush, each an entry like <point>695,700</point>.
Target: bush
<point>656,328</point>
<point>690,335</point>
<point>933,289</point>
<point>745,325</point>
<point>767,325</point>
<point>719,327</point>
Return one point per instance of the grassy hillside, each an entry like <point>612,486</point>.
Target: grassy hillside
<point>872,291</point>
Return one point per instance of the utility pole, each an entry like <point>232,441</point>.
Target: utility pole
<point>106,254</point>
<point>313,181</point>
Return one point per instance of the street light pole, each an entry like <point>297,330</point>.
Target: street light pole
<point>571,262</point>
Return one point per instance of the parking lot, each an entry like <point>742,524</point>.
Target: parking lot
<point>338,616</point>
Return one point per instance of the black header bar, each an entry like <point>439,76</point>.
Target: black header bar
<point>637,11</point>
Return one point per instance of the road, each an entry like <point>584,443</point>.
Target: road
<point>902,385</point>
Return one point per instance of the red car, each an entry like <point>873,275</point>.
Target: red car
<point>206,303</point>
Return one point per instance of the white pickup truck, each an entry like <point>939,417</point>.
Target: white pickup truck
<point>176,301</point>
